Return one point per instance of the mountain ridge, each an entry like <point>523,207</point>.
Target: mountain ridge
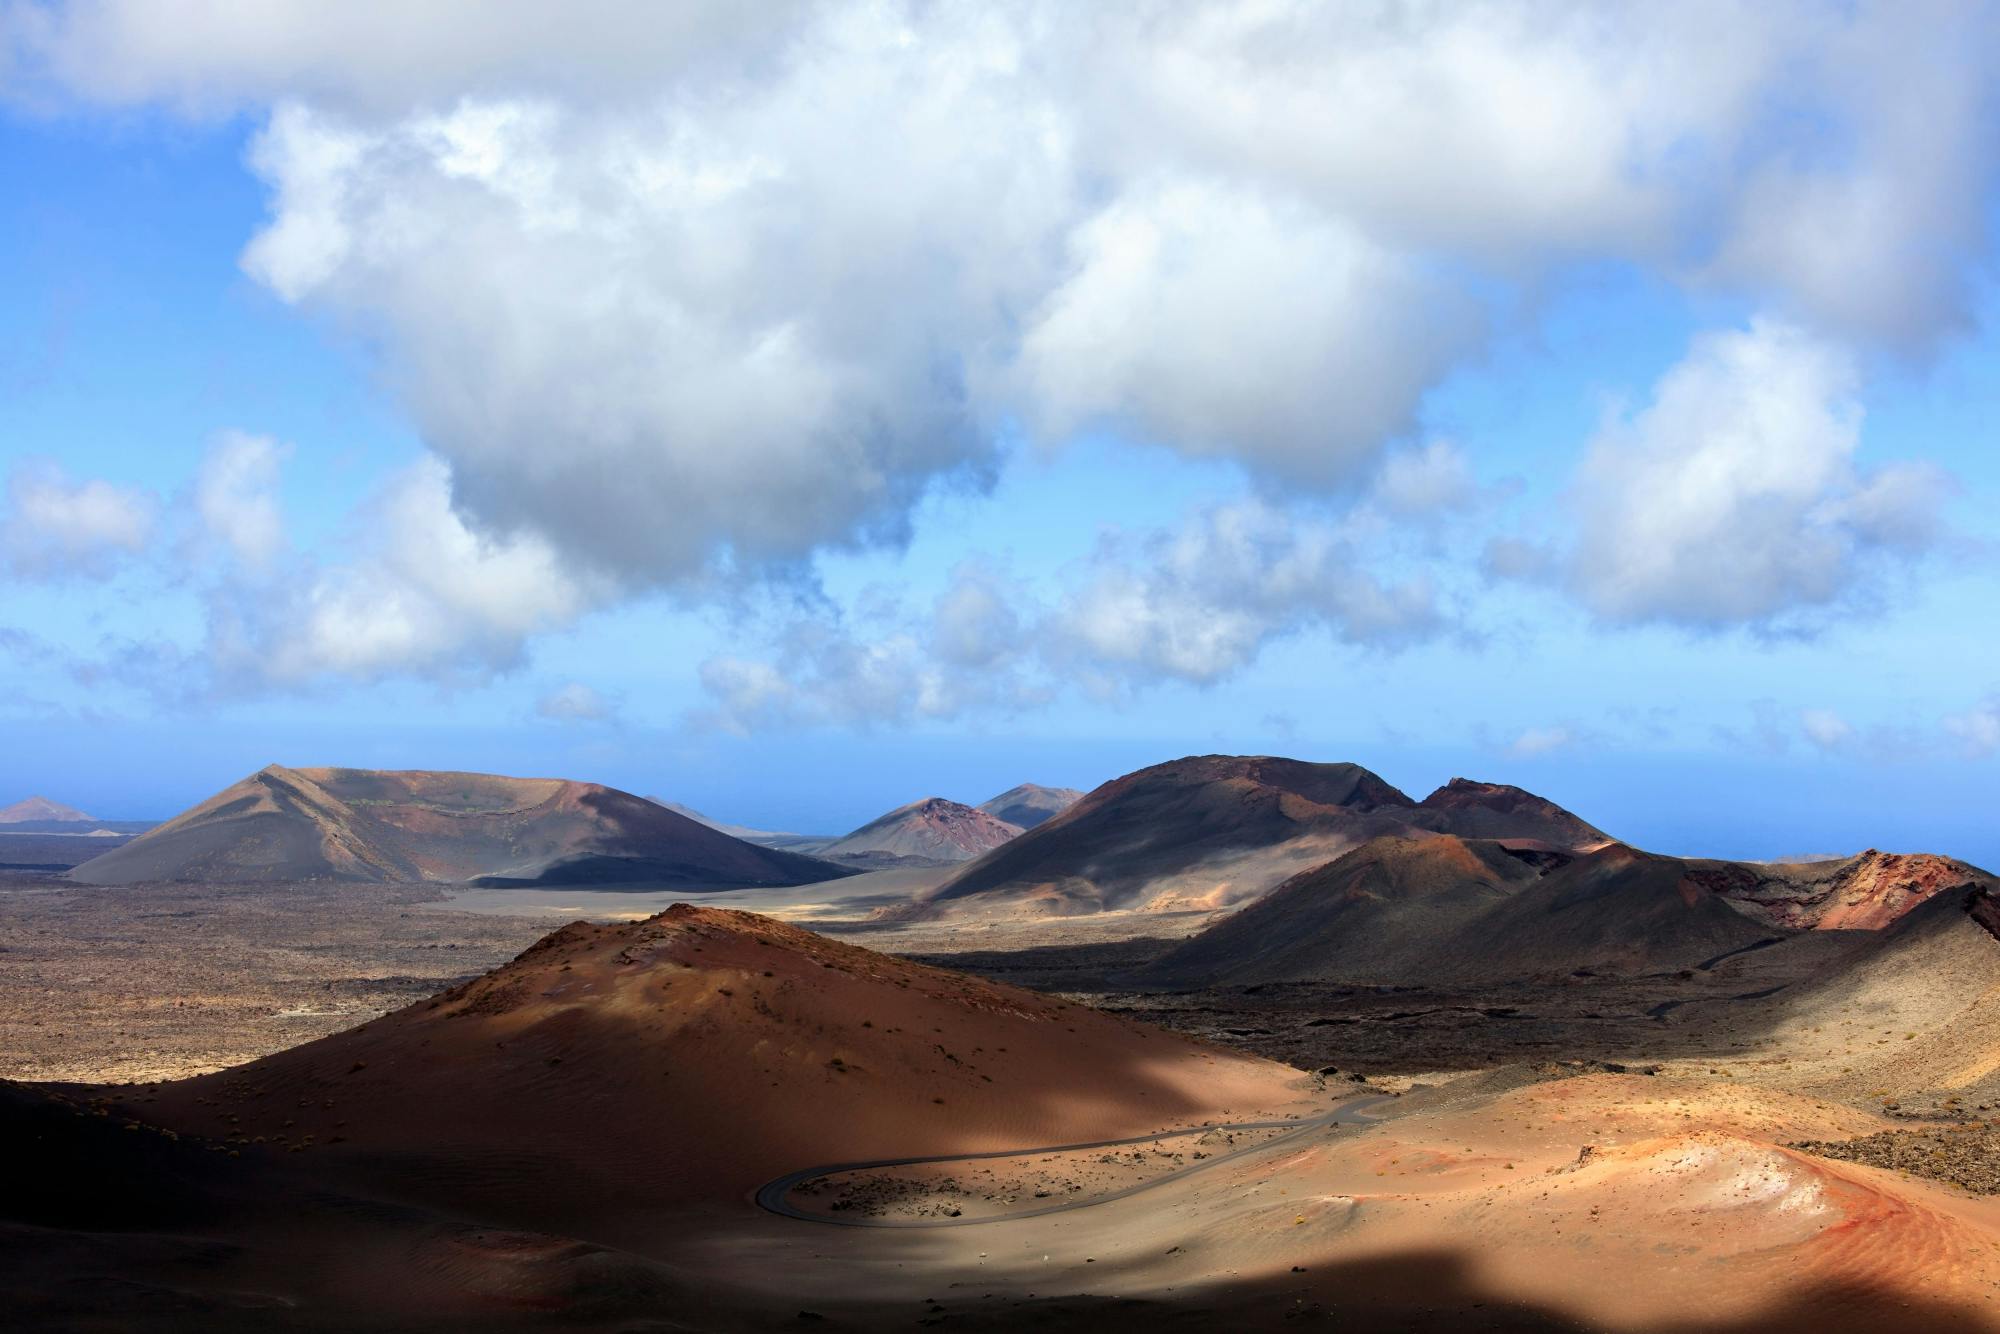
<point>1211,831</point>
<point>1407,910</point>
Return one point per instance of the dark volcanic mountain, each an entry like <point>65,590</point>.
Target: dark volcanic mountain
<point>1425,910</point>
<point>373,825</point>
<point>1030,804</point>
<point>40,810</point>
<point>1213,830</point>
<point>1614,910</point>
<point>933,830</point>
<point>1494,810</point>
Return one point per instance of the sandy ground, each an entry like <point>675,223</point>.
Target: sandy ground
<point>834,900</point>
<point>1604,1202</point>
<point>997,1187</point>
<point>1012,935</point>
<point>574,1143</point>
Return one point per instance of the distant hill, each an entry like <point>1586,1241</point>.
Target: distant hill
<point>733,830</point>
<point>1031,804</point>
<point>41,809</point>
<point>45,836</point>
<point>1214,830</point>
<point>1435,909</point>
<point>932,829</point>
<point>374,825</point>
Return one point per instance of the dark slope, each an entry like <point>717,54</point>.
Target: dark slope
<point>74,1168</point>
<point>54,852</point>
<point>1379,911</point>
<point>373,825</point>
<point>1615,910</point>
<point>1450,910</point>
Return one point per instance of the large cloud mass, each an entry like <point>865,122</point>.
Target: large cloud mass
<point>707,289</point>
<point>765,274</point>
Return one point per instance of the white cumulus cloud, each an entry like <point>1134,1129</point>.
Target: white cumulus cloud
<point>1733,497</point>
<point>1224,322</point>
<point>52,526</point>
<point>1432,478</point>
<point>1195,601</point>
<point>421,592</point>
<point>236,497</point>
<point>735,284</point>
<point>710,289</point>
<point>1198,602</point>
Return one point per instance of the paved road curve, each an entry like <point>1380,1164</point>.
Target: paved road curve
<point>775,1196</point>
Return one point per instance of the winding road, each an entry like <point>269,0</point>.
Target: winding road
<point>775,1196</point>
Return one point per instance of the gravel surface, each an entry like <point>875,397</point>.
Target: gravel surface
<point>1965,1155</point>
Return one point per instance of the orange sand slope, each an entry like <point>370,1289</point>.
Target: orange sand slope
<point>700,1052</point>
<point>1604,1202</point>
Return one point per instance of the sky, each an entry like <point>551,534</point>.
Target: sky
<point>795,410</point>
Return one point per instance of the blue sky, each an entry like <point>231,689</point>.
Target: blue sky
<point>799,414</point>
